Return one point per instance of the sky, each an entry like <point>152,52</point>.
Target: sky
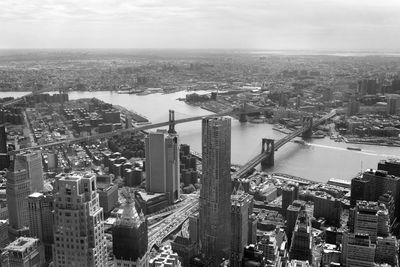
<point>202,24</point>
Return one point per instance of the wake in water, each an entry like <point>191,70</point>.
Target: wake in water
<point>365,152</point>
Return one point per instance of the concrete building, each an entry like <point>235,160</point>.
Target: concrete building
<point>357,251</point>
<point>240,205</point>
<point>291,217</point>
<point>130,238</point>
<point>329,208</point>
<point>18,190</point>
<point>269,246</point>
<point>216,188</point>
<point>185,248</point>
<point>301,246</point>
<point>108,196</point>
<point>387,251</point>
<point>391,107</point>
<point>370,218</point>
<point>166,258</point>
<point>79,224</point>
<point>3,234</point>
<point>23,252</point>
<point>382,183</point>
<point>4,159</point>
<point>289,194</point>
<point>162,164</point>
<point>392,166</point>
<point>32,163</point>
<point>41,220</point>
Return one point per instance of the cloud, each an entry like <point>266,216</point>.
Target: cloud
<point>289,24</point>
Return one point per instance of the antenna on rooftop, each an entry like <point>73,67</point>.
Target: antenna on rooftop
<point>361,168</point>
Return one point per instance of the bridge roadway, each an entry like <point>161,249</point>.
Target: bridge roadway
<point>159,231</point>
<point>129,130</point>
<point>14,101</point>
<point>281,142</point>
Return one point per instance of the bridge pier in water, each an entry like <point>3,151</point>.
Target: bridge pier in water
<point>243,114</point>
<point>171,119</point>
<point>308,125</point>
<point>267,146</point>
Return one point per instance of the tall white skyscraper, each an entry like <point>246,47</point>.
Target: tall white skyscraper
<point>32,162</point>
<point>79,224</point>
<point>162,164</point>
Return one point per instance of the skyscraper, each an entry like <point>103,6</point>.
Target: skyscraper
<point>358,250</point>
<point>40,210</point>
<point>216,187</point>
<point>240,204</point>
<point>79,226</point>
<point>162,164</point>
<point>17,200</point>
<point>130,237</point>
<point>32,162</point>
<point>4,159</point>
<point>301,246</point>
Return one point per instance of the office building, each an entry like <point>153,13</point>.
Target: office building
<point>32,163</point>
<point>367,87</point>
<point>291,217</point>
<point>194,229</point>
<point>290,193</point>
<point>329,208</point>
<point>252,256</point>
<point>41,220</point>
<point>166,258</point>
<point>240,205</point>
<point>387,251</point>
<point>392,166</point>
<point>362,188</point>
<point>357,250</point>
<point>108,195</point>
<point>162,164</point>
<point>79,225</point>
<point>3,234</point>
<point>391,108</point>
<point>17,200</point>
<point>387,200</point>
<point>4,159</point>
<point>382,183</point>
<point>269,246</point>
<point>130,239</point>
<point>185,248</point>
<point>23,252</point>
<point>353,107</point>
<point>370,218</point>
<point>301,246</point>
<point>215,193</point>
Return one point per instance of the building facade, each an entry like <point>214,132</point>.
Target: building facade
<point>18,190</point>
<point>162,164</point>
<point>216,188</point>
<point>240,205</point>
<point>41,220</point>
<point>130,238</point>
<point>79,224</point>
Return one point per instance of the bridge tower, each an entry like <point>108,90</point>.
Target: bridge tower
<point>307,126</point>
<point>242,114</point>
<point>171,127</point>
<point>267,146</point>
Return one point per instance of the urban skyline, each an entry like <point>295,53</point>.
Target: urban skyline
<point>199,133</point>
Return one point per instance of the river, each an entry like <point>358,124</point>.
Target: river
<point>321,160</point>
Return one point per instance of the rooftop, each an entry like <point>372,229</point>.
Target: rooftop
<point>22,244</point>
